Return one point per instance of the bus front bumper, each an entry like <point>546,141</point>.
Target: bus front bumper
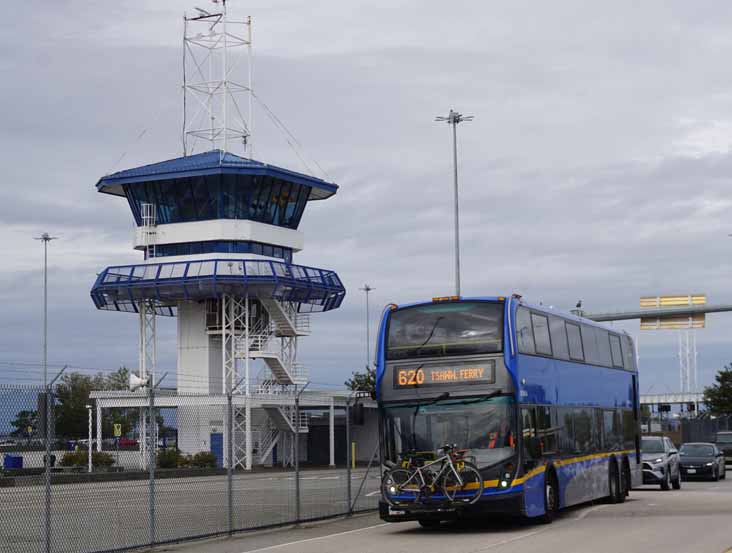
<point>504,504</point>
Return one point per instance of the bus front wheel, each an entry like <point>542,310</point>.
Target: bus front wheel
<point>551,499</point>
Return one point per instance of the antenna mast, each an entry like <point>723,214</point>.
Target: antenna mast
<point>214,48</point>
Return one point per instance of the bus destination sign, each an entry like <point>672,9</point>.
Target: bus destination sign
<point>439,375</point>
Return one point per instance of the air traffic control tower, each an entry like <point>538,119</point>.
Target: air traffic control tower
<point>218,233</point>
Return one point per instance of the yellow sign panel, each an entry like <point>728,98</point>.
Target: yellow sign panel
<point>673,323</point>
<point>673,301</point>
<point>117,430</point>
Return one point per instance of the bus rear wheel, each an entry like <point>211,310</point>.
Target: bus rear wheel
<point>614,484</point>
<point>624,483</point>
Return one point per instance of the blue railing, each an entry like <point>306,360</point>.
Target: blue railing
<point>122,288</point>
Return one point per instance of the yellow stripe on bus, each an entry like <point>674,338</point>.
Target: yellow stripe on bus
<point>539,470</point>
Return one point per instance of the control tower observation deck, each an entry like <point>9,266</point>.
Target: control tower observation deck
<point>219,233</point>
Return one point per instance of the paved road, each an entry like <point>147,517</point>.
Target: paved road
<point>696,519</point>
<point>104,516</point>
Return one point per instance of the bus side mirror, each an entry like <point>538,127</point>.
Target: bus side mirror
<point>358,414</point>
<point>533,447</point>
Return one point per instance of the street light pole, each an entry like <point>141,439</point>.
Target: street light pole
<point>453,118</point>
<point>366,288</point>
<point>45,238</point>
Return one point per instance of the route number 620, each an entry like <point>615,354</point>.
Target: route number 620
<point>411,377</point>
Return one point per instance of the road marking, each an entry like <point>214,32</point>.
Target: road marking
<point>330,477</point>
<point>315,539</point>
<point>651,504</point>
<point>515,538</point>
<point>373,493</point>
<point>583,514</point>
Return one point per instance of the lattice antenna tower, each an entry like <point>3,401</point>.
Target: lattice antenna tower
<point>216,49</point>
<point>688,361</point>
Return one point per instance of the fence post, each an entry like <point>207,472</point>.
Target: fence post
<point>47,472</point>
<point>348,453</point>
<point>230,456</point>
<point>151,459</point>
<point>50,428</point>
<point>365,476</point>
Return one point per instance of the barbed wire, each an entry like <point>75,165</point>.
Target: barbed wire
<point>33,373</point>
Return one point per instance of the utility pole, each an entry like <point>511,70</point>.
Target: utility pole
<point>453,118</point>
<point>366,288</point>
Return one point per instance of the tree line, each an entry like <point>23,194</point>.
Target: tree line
<point>70,415</point>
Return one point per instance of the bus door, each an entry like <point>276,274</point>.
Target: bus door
<point>531,460</point>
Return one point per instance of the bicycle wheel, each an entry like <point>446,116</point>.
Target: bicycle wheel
<point>471,488</point>
<point>396,487</point>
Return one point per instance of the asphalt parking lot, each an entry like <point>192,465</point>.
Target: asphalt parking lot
<point>695,519</point>
<point>114,515</point>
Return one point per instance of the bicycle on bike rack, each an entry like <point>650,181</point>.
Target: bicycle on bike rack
<point>449,478</point>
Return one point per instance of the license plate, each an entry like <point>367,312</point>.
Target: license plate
<point>691,471</point>
<point>396,511</point>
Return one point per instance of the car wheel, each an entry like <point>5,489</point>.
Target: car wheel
<point>428,523</point>
<point>715,474</point>
<point>666,482</point>
<point>724,473</point>
<point>676,482</point>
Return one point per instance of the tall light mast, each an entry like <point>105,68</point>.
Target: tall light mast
<point>454,118</point>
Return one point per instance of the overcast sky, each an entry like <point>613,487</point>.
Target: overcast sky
<point>597,166</point>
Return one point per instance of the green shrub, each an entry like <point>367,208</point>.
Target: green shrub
<point>169,459</point>
<point>74,459</point>
<point>102,459</point>
<point>81,459</point>
<point>203,459</point>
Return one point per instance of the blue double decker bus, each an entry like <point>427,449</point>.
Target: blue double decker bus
<point>544,404</point>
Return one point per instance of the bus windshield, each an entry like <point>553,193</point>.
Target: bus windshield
<point>485,427</point>
<point>442,329</point>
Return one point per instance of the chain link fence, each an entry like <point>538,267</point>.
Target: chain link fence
<point>162,473</point>
<point>704,429</point>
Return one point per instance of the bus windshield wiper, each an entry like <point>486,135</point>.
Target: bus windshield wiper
<point>430,335</point>
<point>497,393</point>
<point>441,397</point>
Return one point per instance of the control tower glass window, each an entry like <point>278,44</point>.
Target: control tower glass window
<point>252,197</point>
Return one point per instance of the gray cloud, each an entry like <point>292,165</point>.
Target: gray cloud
<point>596,167</point>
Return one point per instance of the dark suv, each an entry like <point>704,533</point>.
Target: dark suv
<point>724,442</point>
<point>660,462</point>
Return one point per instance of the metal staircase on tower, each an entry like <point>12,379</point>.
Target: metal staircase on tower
<point>288,322</point>
<point>279,429</point>
<point>275,342</point>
